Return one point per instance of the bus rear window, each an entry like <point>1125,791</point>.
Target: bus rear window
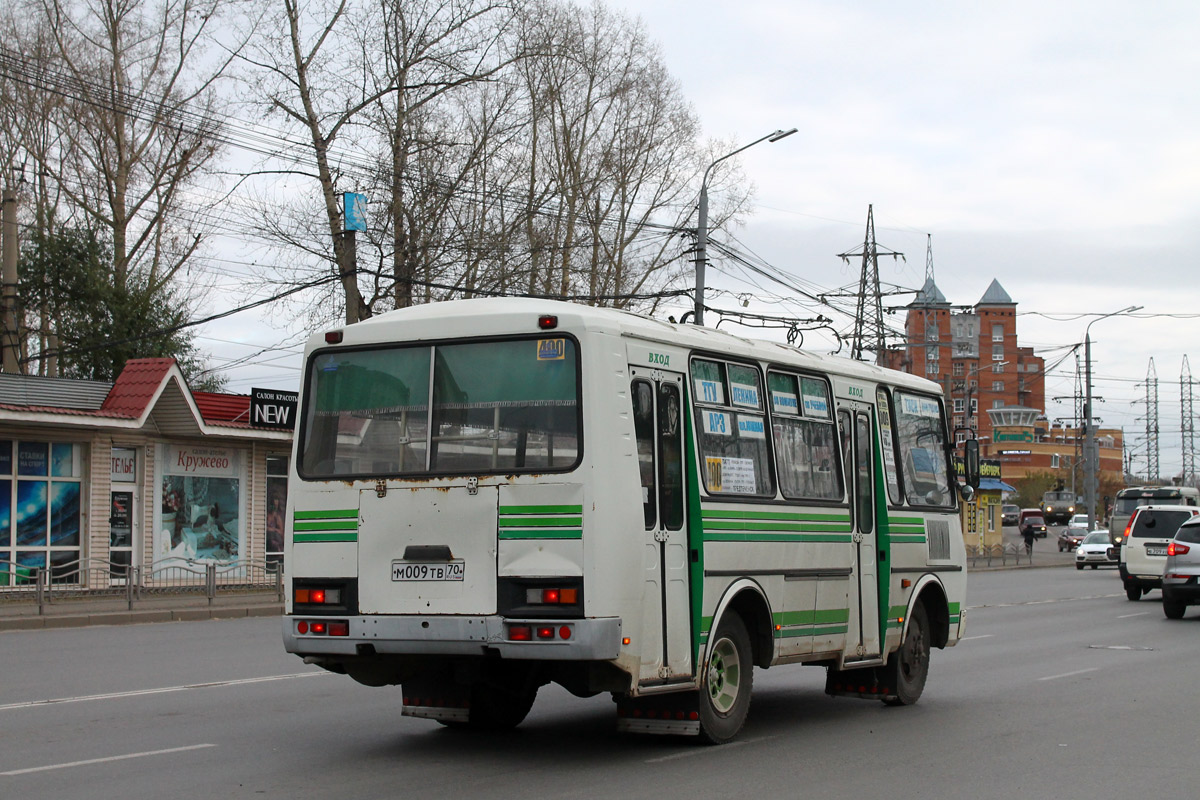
<point>478,407</point>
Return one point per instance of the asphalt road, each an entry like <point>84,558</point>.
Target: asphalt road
<point>1063,689</point>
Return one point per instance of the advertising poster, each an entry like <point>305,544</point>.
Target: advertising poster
<point>200,505</point>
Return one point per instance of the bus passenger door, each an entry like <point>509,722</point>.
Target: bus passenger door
<point>666,625</point>
<point>858,450</point>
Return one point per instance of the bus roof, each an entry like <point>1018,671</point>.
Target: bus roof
<point>505,315</point>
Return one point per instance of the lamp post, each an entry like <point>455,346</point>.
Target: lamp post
<point>702,224</point>
<point>1090,456</point>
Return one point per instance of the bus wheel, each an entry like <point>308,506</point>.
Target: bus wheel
<point>728,679</point>
<point>908,667</point>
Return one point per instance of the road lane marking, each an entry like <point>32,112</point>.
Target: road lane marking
<point>164,690</point>
<point>980,636</point>
<point>1043,602</point>
<point>1138,614</point>
<point>143,754</point>
<point>706,751</point>
<point>1069,674</point>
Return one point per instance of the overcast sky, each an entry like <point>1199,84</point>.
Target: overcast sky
<point>1050,145</point>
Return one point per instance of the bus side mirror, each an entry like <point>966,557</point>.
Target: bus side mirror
<point>971,462</point>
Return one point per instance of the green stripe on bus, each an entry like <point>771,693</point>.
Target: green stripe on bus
<point>954,608</point>
<point>347,513</point>
<point>908,539</point>
<point>541,509</point>
<point>711,514</point>
<point>541,533</point>
<point>815,617</point>
<point>830,630</point>
<point>302,538</point>
<point>328,525</point>
<point>733,536</point>
<point>906,520</point>
<point>542,522</point>
<point>722,525</point>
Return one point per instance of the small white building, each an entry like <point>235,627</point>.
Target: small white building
<point>142,472</point>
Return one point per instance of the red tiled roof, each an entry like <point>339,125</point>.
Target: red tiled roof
<point>223,407</point>
<point>136,386</point>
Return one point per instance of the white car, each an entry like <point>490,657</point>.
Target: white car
<point>1078,521</point>
<point>1143,556</point>
<point>1095,550</point>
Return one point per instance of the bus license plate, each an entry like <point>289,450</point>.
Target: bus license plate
<point>437,571</point>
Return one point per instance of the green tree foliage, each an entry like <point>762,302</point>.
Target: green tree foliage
<point>1031,488</point>
<point>91,324</point>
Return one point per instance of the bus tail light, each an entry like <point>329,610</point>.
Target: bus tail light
<point>317,597</point>
<point>323,627</point>
<point>551,596</point>
<point>528,633</point>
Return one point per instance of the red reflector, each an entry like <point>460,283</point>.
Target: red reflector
<point>316,596</point>
<point>339,628</point>
<point>318,627</point>
<point>545,633</point>
<point>547,321</point>
<point>520,633</point>
<point>564,632</point>
<point>301,627</point>
<point>333,337</point>
<point>1177,549</point>
<point>550,595</point>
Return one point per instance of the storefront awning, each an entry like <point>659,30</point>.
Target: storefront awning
<point>995,485</point>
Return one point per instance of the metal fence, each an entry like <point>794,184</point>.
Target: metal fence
<point>88,578</point>
<point>991,554</point>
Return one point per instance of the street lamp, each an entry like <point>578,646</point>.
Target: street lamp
<point>702,225</point>
<point>1090,456</point>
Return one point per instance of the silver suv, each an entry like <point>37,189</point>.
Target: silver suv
<point>1144,552</point>
<point>1181,577</point>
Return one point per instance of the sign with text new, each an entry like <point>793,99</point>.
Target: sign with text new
<point>270,408</point>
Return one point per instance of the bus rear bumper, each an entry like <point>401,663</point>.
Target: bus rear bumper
<point>592,639</point>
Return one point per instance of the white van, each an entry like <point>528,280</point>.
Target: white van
<point>1144,552</point>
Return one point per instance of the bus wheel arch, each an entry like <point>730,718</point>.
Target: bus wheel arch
<point>750,602</point>
<point>931,596</point>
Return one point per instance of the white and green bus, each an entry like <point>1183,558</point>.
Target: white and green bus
<point>491,495</point>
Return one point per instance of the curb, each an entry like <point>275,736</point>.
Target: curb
<point>56,621</point>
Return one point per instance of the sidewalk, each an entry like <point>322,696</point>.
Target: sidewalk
<point>20,615</point>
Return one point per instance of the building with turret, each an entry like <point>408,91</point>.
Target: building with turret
<point>973,351</point>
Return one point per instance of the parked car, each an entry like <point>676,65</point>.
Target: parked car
<point>1181,574</point>
<point>1032,516</point>
<point>1010,514</point>
<point>1143,556</point>
<point>1079,521</point>
<point>1070,538</point>
<point>1095,551</point>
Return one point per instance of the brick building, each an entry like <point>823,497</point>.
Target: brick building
<point>974,353</point>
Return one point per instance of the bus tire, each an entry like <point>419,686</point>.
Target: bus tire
<point>727,682</point>
<point>908,667</point>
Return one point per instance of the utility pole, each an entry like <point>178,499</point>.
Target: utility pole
<point>11,341</point>
<point>1090,453</point>
<point>1152,467</point>
<point>1189,425</point>
<point>869,332</point>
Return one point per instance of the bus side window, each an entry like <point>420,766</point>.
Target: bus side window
<point>642,395</point>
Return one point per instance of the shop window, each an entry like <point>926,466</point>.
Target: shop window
<point>200,505</point>
<point>277,477</point>
<point>40,510</point>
